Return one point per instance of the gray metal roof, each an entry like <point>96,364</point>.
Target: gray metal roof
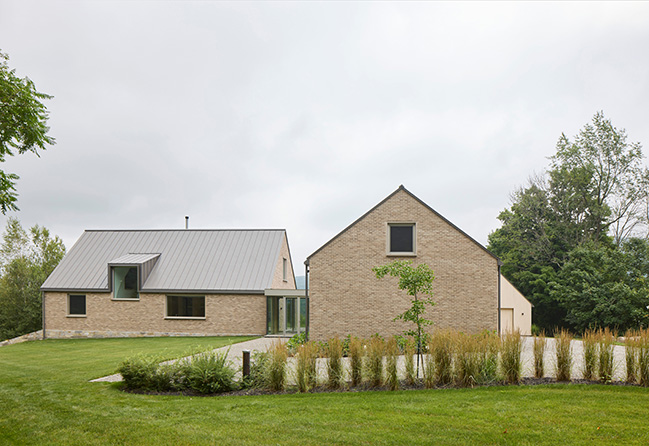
<point>190,260</point>
<point>133,259</point>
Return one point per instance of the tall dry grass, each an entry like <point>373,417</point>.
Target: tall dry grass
<point>606,342</point>
<point>374,361</point>
<point>643,357</point>
<point>563,351</point>
<point>631,345</point>
<point>305,369</point>
<point>590,341</point>
<point>540,343</point>
<point>468,355</point>
<point>442,350</point>
<point>391,370</point>
<point>334,354</point>
<point>409,351</point>
<point>489,346</point>
<point>276,363</point>
<point>510,356</point>
<point>356,353</point>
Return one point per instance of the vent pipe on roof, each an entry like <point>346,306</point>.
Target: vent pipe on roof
<point>186,221</point>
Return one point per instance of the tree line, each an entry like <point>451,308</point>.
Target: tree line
<point>574,240</point>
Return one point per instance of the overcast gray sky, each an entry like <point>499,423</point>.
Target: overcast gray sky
<point>305,115</point>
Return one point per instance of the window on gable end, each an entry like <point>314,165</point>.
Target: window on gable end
<point>401,238</point>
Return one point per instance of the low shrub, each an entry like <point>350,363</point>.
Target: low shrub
<point>374,360</point>
<point>510,356</point>
<point>258,372</point>
<point>295,341</point>
<point>138,372</point>
<point>590,341</point>
<point>356,353</point>
<point>606,340</point>
<point>539,350</point>
<point>429,369</point>
<point>563,350</point>
<point>334,353</point>
<point>392,355</point>
<point>209,372</point>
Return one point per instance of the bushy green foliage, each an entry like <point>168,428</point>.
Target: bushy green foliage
<point>258,372</point>
<point>209,373</point>
<point>564,241</point>
<point>295,341</point>
<point>415,281</point>
<point>205,373</point>
<point>26,259</point>
<point>23,125</point>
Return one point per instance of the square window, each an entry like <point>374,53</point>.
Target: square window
<point>125,282</point>
<point>186,306</point>
<point>77,305</point>
<point>401,238</point>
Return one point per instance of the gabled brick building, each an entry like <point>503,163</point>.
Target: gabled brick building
<point>345,296</point>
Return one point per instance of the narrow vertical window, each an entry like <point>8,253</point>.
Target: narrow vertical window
<point>284,268</point>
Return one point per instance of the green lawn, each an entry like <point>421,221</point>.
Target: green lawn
<point>45,398</point>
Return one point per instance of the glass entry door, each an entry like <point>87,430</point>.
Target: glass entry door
<point>285,315</point>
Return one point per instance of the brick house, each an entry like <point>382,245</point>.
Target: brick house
<point>173,282</point>
<point>345,296</point>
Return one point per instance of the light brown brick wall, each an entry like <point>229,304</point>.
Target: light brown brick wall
<point>278,280</point>
<point>225,315</point>
<point>347,298</point>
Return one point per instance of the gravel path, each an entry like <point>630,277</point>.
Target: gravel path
<point>261,344</point>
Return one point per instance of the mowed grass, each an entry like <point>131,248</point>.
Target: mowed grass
<point>45,398</point>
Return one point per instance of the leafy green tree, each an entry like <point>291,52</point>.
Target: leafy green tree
<point>594,194</point>
<point>597,290</point>
<point>416,282</point>
<point>26,259</point>
<point>23,125</point>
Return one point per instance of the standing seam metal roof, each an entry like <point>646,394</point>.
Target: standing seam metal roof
<point>192,260</point>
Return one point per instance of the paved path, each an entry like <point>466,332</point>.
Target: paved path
<point>527,357</point>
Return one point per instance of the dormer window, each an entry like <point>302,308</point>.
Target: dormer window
<point>125,282</point>
<point>401,239</point>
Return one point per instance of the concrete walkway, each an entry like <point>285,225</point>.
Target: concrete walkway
<point>235,354</point>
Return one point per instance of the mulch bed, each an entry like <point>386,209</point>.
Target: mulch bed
<point>366,388</point>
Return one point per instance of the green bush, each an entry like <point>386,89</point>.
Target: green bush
<point>295,341</point>
<point>138,372</point>
<point>258,367</point>
<point>209,372</point>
